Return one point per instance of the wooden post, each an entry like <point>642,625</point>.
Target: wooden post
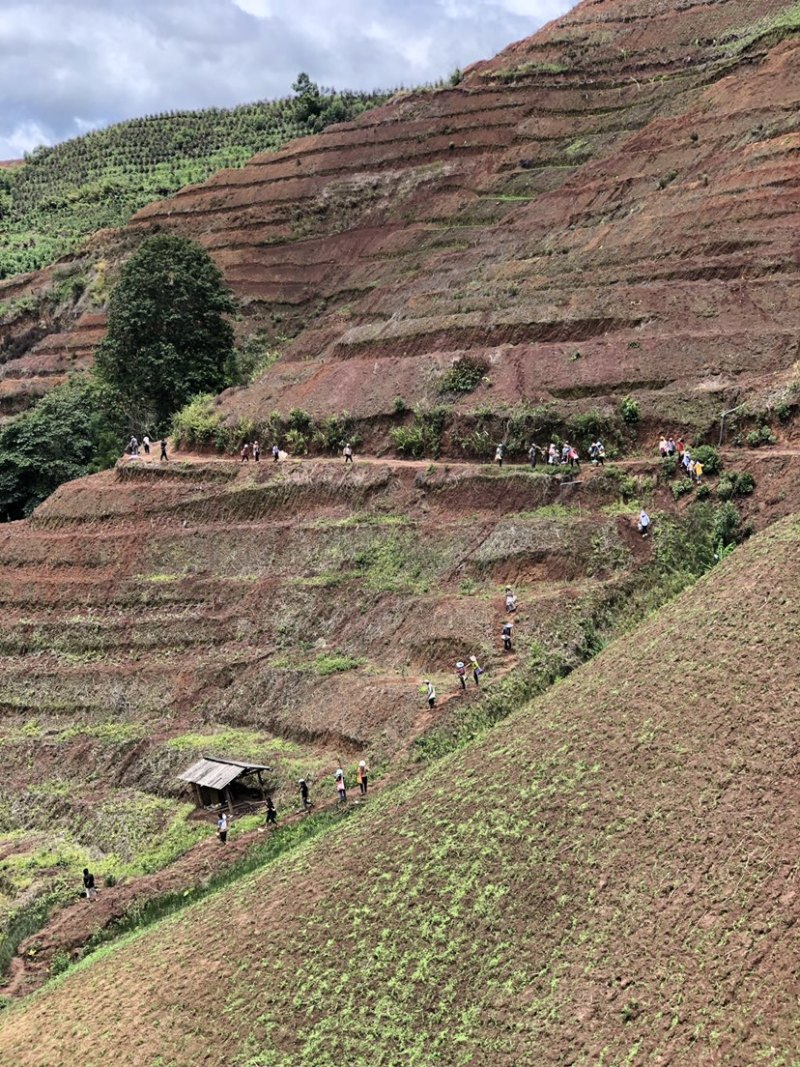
<point>229,797</point>
<point>198,794</point>
<point>261,783</point>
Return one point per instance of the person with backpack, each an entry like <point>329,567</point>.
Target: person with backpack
<point>508,628</point>
<point>163,456</point>
<point>363,777</point>
<point>511,601</point>
<point>477,670</point>
<point>272,814</point>
<point>341,786</point>
<point>88,884</point>
<point>600,454</point>
<point>133,446</point>
<point>461,674</point>
<point>222,827</point>
<point>430,694</point>
<point>644,523</point>
<point>573,458</point>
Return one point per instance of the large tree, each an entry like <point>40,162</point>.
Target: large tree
<point>168,338</point>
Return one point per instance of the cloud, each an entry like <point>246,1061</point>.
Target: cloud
<point>68,67</point>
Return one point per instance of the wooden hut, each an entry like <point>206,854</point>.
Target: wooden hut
<point>220,781</point>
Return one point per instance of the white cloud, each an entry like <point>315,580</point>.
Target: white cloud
<point>106,60</point>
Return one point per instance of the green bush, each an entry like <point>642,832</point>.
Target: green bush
<point>682,487</point>
<point>703,492</point>
<point>669,466</point>
<point>335,431</point>
<point>629,410</point>
<point>735,484</point>
<point>762,436</point>
<point>197,423</point>
<point>296,442</point>
<point>424,437</point>
<point>709,457</point>
<point>463,377</point>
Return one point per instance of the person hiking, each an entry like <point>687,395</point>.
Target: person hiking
<point>303,786</point>
<point>163,456</point>
<point>600,454</point>
<point>461,673</point>
<point>508,629</point>
<point>573,458</point>
<point>256,451</point>
<point>681,447</point>
<point>565,453</point>
<point>341,786</point>
<point>363,777</point>
<point>477,670</point>
<point>146,445</point>
<point>663,447</point>
<point>698,471</point>
<point>552,454</point>
<point>511,600</point>
<point>222,827</point>
<point>533,454</point>
<point>671,446</point>
<point>276,452</point>
<point>644,523</point>
<point>347,452</point>
<point>245,453</point>
<point>430,694</point>
<point>687,462</point>
<point>272,814</point>
<point>500,454</point>
<point>133,446</point>
<point>88,884</point>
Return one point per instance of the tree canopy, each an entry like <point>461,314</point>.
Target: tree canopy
<point>168,338</point>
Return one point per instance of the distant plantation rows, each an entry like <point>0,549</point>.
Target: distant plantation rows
<point>60,195</point>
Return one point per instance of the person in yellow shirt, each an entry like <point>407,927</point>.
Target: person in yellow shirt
<point>698,471</point>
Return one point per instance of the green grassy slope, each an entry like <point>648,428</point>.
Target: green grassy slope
<point>606,878</point>
<point>63,194</point>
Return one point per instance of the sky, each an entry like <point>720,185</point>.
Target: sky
<point>68,66</point>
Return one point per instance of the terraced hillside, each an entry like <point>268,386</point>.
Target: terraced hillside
<point>284,615</point>
<point>605,208</point>
<point>605,878</point>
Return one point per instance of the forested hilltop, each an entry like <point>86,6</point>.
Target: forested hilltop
<point>61,195</point>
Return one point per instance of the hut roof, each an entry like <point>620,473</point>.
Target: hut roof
<point>216,773</point>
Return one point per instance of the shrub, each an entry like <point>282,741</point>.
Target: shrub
<point>703,492</point>
<point>464,376</point>
<point>629,410</point>
<point>425,436</point>
<point>299,420</point>
<point>682,487</point>
<point>762,436</point>
<point>709,457</point>
<point>669,466</point>
<point>400,406</point>
<point>735,484</point>
<point>408,440</point>
<point>335,431</point>
<point>197,423</point>
<point>296,442</point>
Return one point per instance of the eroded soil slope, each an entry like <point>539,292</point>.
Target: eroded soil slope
<point>606,878</point>
<point>607,207</point>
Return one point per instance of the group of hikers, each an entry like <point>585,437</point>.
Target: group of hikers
<point>133,447</point>
<point>669,448</point>
<point>252,450</point>
<point>271,812</point>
